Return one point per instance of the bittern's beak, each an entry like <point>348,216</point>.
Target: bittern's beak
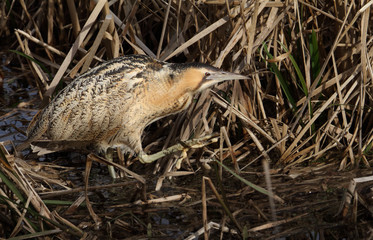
<point>223,76</point>
<point>212,78</point>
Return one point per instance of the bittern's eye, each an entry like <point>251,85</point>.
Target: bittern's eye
<point>207,74</point>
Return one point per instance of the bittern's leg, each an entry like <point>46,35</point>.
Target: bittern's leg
<point>193,143</point>
<point>109,157</point>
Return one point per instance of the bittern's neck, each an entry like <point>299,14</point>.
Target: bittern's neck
<point>164,97</point>
<point>164,91</point>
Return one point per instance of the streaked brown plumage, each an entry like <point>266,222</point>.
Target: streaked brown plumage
<point>111,104</point>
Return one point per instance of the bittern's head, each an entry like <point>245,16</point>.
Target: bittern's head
<point>195,77</point>
<point>178,83</point>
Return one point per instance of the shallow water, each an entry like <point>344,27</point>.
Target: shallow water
<point>14,117</point>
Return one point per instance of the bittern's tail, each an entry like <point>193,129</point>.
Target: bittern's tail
<point>42,147</point>
<point>22,146</point>
<point>37,127</point>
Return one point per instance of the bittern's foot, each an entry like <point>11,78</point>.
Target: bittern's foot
<point>193,143</point>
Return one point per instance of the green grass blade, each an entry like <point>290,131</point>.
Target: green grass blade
<point>248,183</point>
<point>298,71</point>
<point>283,83</point>
<point>11,186</point>
<point>37,234</point>
<point>315,55</point>
<point>32,59</point>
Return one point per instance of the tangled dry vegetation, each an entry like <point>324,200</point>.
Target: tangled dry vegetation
<point>291,138</point>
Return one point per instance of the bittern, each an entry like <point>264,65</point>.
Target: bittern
<point>110,105</point>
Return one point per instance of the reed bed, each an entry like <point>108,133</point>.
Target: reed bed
<point>290,140</point>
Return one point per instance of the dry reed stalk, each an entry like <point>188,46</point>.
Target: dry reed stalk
<point>113,39</point>
<point>74,48</point>
<point>204,209</point>
<point>331,109</point>
<point>32,205</point>
<point>74,17</point>
<point>96,43</point>
<point>43,44</point>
